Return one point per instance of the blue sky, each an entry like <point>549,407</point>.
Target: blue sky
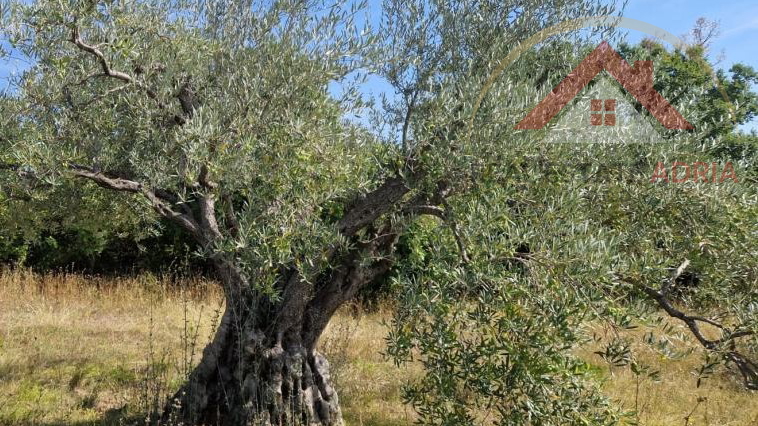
<point>738,41</point>
<point>739,23</point>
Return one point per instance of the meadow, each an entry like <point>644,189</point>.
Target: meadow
<point>79,350</point>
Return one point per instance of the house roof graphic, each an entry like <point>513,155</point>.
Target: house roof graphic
<point>637,80</point>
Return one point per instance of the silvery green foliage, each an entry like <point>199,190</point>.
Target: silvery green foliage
<point>556,236</point>
<point>561,241</point>
<point>265,128</point>
<point>523,243</point>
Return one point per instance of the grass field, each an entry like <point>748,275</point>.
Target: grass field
<point>85,350</point>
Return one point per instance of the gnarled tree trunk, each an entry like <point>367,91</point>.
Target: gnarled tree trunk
<point>246,378</point>
<point>262,367</point>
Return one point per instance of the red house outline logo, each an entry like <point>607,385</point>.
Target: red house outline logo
<point>637,80</point>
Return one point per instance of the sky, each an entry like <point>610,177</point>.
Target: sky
<point>738,41</point>
<point>738,19</point>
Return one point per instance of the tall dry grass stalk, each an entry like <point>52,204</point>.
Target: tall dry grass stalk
<point>139,288</point>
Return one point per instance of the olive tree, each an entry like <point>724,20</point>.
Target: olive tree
<point>216,115</point>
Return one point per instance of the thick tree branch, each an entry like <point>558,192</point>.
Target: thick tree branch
<point>373,205</point>
<point>230,217</point>
<point>368,261</point>
<point>160,200</point>
<point>345,280</point>
<point>747,367</point>
<point>203,178</point>
<point>318,297</point>
<point>208,217</point>
<point>114,183</point>
<point>106,68</point>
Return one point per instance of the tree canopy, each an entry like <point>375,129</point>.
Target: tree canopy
<point>218,117</point>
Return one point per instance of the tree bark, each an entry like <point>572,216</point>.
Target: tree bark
<point>262,367</point>
<point>246,378</point>
<point>250,375</point>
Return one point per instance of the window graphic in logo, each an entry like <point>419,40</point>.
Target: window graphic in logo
<point>636,80</point>
<point>603,112</point>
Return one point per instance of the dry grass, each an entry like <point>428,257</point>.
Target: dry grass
<point>674,398</point>
<point>369,385</point>
<point>79,350</point>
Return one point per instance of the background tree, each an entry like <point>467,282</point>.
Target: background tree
<point>722,100</point>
